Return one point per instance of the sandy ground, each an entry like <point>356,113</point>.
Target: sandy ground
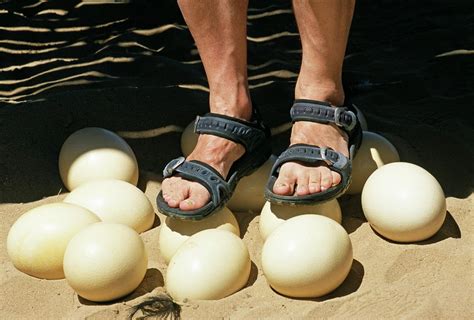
<point>135,70</point>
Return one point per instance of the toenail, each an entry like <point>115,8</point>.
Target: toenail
<point>281,185</point>
<point>190,202</point>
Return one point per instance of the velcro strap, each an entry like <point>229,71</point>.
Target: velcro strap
<point>246,133</point>
<point>322,112</point>
<point>201,173</point>
<point>312,155</point>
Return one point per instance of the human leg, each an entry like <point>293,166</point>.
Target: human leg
<point>324,28</point>
<point>219,30</point>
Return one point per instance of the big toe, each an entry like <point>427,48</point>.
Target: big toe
<point>285,183</point>
<point>198,197</point>
<point>174,192</point>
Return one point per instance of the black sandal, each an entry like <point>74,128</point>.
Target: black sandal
<point>253,135</point>
<point>344,117</point>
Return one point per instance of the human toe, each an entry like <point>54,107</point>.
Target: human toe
<point>285,184</point>
<point>336,178</point>
<point>198,197</point>
<point>302,183</point>
<point>326,178</point>
<point>174,192</point>
<point>315,181</point>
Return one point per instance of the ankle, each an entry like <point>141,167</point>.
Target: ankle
<point>319,87</point>
<point>217,152</point>
<point>322,92</point>
<point>233,101</point>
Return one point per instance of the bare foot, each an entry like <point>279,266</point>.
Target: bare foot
<point>301,179</point>
<point>298,179</point>
<point>217,152</point>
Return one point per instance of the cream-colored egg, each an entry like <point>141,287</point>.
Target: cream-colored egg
<point>362,119</point>
<point>307,256</point>
<point>115,201</point>
<point>95,154</point>
<point>105,261</point>
<point>249,193</point>
<point>174,232</point>
<point>374,152</point>
<point>273,215</point>
<point>38,239</point>
<point>404,202</point>
<point>188,139</point>
<point>210,265</point>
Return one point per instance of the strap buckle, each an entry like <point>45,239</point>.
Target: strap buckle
<point>196,123</point>
<point>323,151</point>
<point>337,118</point>
<point>171,166</point>
<point>341,161</point>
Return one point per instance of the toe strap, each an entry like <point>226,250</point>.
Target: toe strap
<point>312,155</point>
<point>202,173</point>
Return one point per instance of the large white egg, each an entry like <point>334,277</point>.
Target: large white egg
<point>174,232</point>
<point>375,151</point>
<point>249,193</point>
<point>105,261</point>
<point>307,256</point>
<point>38,239</point>
<point>115,201</point>
<point>210,265</point>
<point>95,154</point>
<point>188,139</point>
<point>273,215</point>
<point>404,202</point>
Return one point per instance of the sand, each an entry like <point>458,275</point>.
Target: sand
<point>135,71</point>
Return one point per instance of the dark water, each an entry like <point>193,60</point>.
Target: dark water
<point>54,46</point>
<point>122,65</point>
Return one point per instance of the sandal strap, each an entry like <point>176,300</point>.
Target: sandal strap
<point>202,173</point>
<point>312,154</point>
<point>323,112</point>
<point>248,134</point>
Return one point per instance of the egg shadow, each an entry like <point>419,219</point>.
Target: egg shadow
<point>449,229</point>
<point>253,275</point>
<point>352,213</point>
<point>350,285</point>
<point>244,219</point>
<point>347,287</point>
<point>156,222</point>
<point>153,279</point>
